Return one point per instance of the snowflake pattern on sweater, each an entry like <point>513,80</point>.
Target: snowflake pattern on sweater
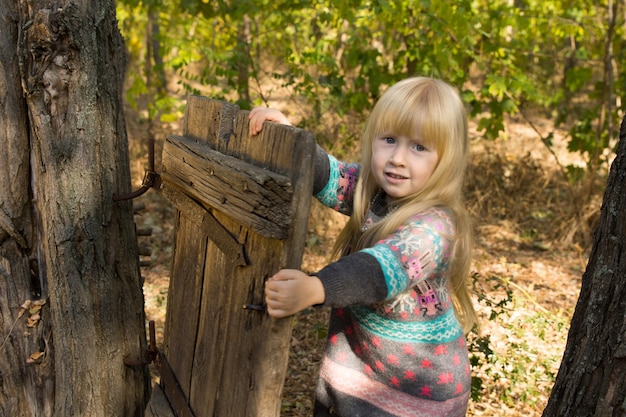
<point>399,350</point>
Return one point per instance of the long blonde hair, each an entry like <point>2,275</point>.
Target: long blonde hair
<point>430,109</point>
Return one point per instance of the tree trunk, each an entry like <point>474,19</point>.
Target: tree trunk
<point>25,389</point>
<point>243,60</point>
<point>63,239</point>
<point>592,376</point>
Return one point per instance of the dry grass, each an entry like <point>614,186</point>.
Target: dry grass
<point>530,256</point>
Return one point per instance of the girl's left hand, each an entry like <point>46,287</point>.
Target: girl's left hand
<point>258,115</point>
<point>291,291</point>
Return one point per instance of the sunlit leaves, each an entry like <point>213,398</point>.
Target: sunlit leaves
<point>340,56</point>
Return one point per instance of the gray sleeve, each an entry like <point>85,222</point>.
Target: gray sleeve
<point>356,279</point>
<point>321,169</point>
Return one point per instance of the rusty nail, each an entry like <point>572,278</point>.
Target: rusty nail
<point>255,307</point>
<point>151,353</point>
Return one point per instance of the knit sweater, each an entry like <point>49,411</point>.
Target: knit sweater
<point>395,346</point>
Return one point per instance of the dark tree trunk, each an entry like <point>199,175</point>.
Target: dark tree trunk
<point>62,238</point>
<point>592,376</point>
<point>25,388</point>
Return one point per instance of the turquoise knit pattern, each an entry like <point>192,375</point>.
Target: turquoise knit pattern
<point>395,276</point>
<point>443,329</point>
<point>328,195</point>
<point>339,190</point>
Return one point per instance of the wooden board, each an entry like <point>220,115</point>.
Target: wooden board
<point>159,405</point>
<point>256,197</point>
<point>242,208</point>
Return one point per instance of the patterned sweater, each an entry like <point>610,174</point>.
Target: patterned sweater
<point>395,346</point>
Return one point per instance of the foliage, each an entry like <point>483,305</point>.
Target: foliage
<point>560,58</point>
<point>479,344</point>
<point>521,370</point>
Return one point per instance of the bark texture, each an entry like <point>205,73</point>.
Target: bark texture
<point>67,242</point>
<point>25,388</point>
<point>592,376</point>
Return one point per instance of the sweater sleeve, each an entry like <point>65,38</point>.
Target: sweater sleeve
<point>415,252</point>
<point>352,280</point>
<point>337,181</point>
<point>321,170</point>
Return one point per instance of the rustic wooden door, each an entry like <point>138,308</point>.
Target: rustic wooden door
<point>242,208</point>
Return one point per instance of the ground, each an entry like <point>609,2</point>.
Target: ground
<point>532,244</point>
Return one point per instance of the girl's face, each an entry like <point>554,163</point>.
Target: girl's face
<point>402,165</point>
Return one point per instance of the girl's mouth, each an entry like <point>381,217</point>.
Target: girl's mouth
<point>395,176</point>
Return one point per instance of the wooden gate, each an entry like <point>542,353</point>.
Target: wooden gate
<point>242,208</point>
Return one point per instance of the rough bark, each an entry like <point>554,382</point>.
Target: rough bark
<point>592,376</point>
<point>25,388</point>
<point>69,143</point>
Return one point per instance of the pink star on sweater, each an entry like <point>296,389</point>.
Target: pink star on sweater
<point>441,350</point>
<point>409,375</point>
<point>426,391</point>
<point>376,341</point>
<point>459,388</point>
<point>408,350</point>
<point>445,378</point>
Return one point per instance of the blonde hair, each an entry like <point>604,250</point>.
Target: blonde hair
<point>432,110</point>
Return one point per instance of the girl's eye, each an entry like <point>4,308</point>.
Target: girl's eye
<point>418,147</point>
<point>389,139</point>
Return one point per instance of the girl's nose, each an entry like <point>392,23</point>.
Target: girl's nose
<point>398,156</point>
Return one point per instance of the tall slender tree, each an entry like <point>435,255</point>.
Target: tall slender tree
<point>592,377</point>
<point>71,302</point>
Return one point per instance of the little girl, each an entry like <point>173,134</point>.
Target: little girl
<point>400,304</point>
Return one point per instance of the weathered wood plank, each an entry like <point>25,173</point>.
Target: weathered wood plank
<point>220,332</point>
<point>277,148</point>
<point>257,197</point>
<point>241,339</point>
<point>210,121</point>
<point>208,224</point>
<point>158,406</point>
<point>238,357</point>
<point>184,299</point>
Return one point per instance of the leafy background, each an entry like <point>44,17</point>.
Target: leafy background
<point>542,83</point>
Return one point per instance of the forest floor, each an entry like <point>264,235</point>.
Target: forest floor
<point>529,260</point>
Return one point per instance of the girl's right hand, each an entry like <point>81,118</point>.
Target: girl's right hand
<point>258,115</point>
<point>290,291</point>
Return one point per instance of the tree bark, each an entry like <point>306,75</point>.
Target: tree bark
<point>592,377</point>
<point>25,389</point>
<point>68,155</point>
